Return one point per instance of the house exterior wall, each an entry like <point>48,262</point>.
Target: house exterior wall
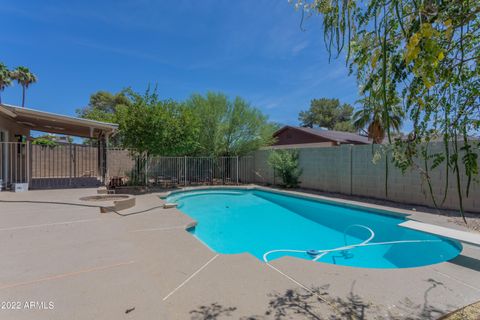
<point>351,170</point>
<point>300,146</point>
<point>13,128</point>
<point>292,136</point>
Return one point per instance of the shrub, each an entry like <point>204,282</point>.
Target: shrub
<point>45,142</point>
<point>285,164</point>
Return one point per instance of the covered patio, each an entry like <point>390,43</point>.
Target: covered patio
<point>65,165</point>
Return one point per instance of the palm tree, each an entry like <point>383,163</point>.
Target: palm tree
<point>5,78</point>
<point>372,117</point>
<point>24,77</point>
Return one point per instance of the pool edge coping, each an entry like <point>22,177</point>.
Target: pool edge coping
<point>298,194</point>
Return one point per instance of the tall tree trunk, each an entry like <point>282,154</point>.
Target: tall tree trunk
<point>23,96</point>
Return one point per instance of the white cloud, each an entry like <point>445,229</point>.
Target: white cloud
<point>299,47</point>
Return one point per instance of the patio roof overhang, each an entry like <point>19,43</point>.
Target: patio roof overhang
<point>56,123</point>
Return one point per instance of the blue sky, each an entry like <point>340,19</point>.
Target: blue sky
<point>249,48</point>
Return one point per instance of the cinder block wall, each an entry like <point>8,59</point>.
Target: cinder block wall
<point>350,170</point>
<point>120,163</point>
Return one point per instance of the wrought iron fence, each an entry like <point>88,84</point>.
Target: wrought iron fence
<point>127,169</point>
<point>70,165</point>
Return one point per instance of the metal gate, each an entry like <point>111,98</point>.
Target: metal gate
<point>13,163</point>
<point>64,166</point>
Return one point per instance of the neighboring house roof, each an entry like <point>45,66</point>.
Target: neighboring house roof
<point>334,136</point>
<point>56,123</point>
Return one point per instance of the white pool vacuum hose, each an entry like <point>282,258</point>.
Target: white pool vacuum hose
<point>317,254</point>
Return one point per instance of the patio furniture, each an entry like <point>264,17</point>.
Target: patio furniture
<point>116,181</point>
<point>165,182</point>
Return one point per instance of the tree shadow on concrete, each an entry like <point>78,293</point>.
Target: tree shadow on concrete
<point>423,310</point>
<point>317,304</point>
<point>353,307</point>
<point>313,305</point>
<point>211,312</point>
<point>297,302</point>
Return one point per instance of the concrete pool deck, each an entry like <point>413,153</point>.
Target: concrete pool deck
<point>146,266</point>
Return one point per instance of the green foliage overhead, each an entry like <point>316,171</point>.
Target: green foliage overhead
<point>425,53</point>
<point>285,165</point>
<point>25,78</point>
<point>329,114</point>
<point>229,127</point>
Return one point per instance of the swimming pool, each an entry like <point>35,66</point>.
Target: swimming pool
<point>270,225</point>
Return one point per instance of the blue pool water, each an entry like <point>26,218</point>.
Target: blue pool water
<point>259,222</point>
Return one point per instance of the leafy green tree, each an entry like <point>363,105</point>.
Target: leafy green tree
<point>45,141</point>
<point>210,125</point>
<point>427,53</point>
<point>104,106</point>
<point>25,78</point>
<point>5,78</point>
<point>229,127</point>
<point>286,166</point>
<point>329,114</point>
<point>346,126</point>
<point>54,138</point>
<point>157,127</point>
<point>210,112</point>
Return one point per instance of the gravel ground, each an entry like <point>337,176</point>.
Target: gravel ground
<point>473,221</point>
<point>471,312</point>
